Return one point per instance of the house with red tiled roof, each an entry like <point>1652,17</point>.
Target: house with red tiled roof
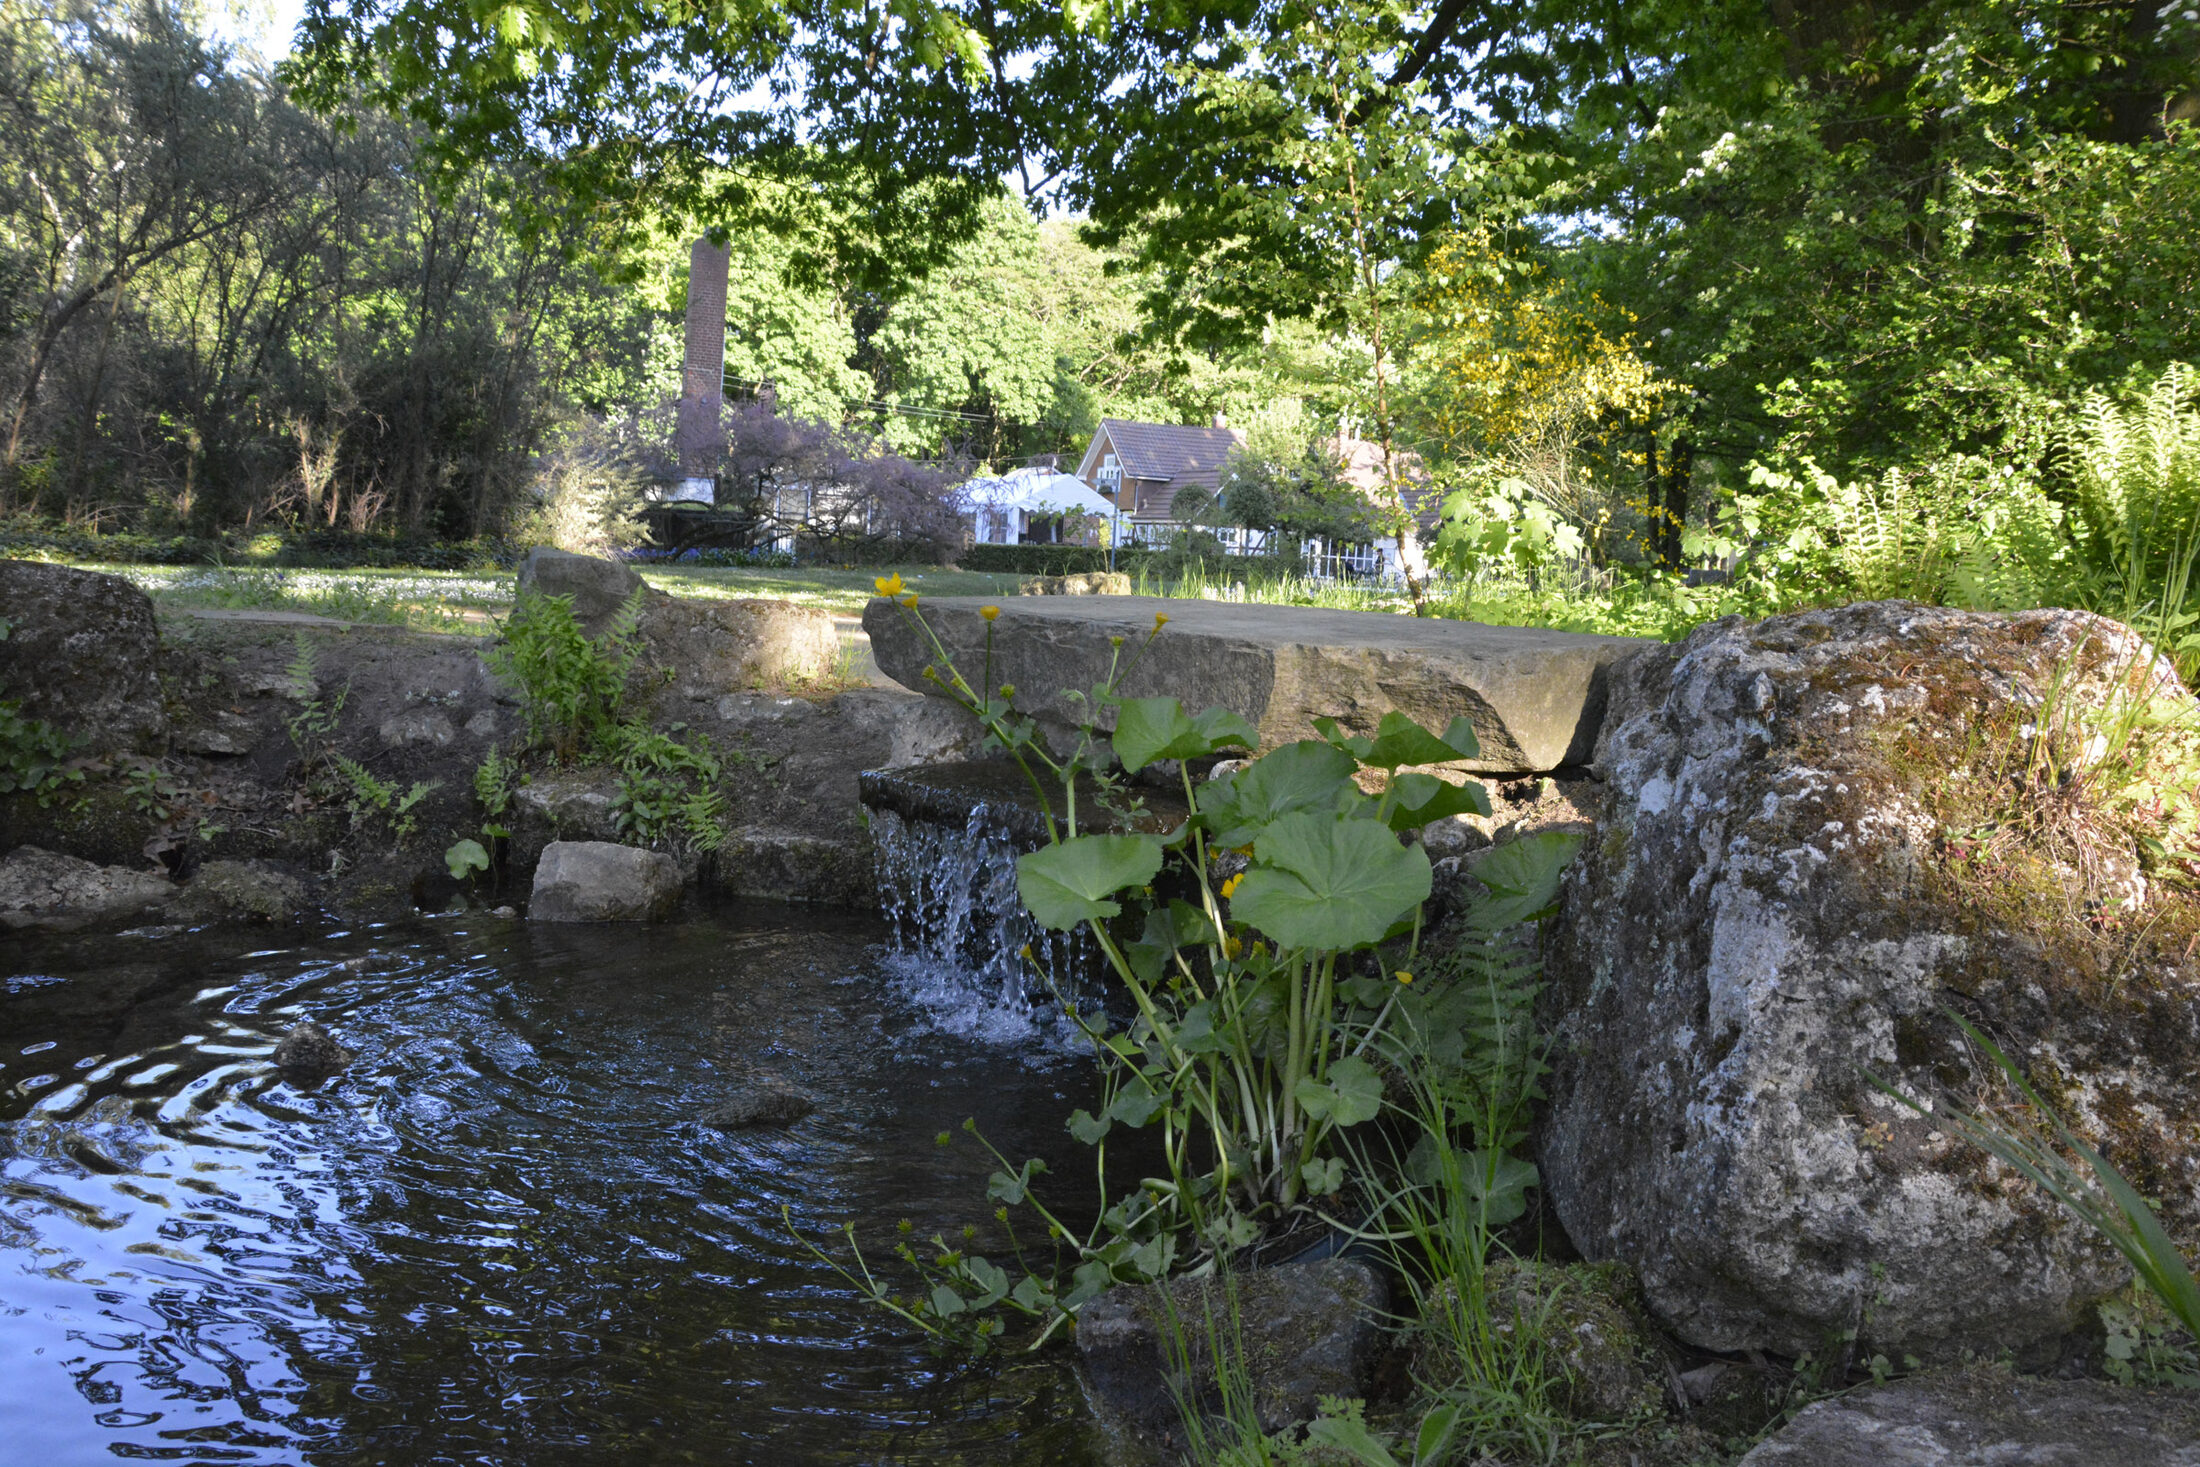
<point>1144,466</point>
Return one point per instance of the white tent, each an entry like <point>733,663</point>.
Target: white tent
<point>1004,505</point>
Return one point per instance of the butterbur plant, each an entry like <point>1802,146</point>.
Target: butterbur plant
<point>1267,947</point>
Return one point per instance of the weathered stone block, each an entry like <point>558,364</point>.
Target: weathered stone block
<point>712,648</point>
<point>1535,697</point>
<point>595,881</point>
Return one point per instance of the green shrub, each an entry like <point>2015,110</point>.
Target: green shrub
<point>1046,560</point>
<point>571,688</point>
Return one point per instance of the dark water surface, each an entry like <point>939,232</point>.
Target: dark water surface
<point>504,1234</point>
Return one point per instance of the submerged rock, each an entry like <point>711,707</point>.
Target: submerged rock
<point>1306,1330</point>
<point>307,1055</point>
<point>765,1103</point>
<point>254,891</point>
<point>82,653</point>
<point>1987,1416</point>
<point>1779,907</point>
<point>595,881</point>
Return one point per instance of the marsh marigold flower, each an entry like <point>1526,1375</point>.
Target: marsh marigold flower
<point>910,600</point>
<point>1160,620</point>
<point>990,613</point>
<point>1403,976</point>
<point>1230,886</point>
<point>889,585</point>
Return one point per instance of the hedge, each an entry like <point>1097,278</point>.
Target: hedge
<point>326,549</point>
<point>1048,560</point>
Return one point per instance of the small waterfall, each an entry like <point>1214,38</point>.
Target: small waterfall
<point>947,837</point>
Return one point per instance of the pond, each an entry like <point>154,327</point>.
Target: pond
<point>506,1232</point>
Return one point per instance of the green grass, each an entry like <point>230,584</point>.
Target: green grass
<point>467,602</point>
<point>843,592</point>
<point>441,601</point>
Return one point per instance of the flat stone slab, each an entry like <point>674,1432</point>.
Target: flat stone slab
<point>1984,1416</point>
<point>1535,697</point>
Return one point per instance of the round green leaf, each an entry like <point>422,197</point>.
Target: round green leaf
<point>1065,884</point>
<point>1324,883</point>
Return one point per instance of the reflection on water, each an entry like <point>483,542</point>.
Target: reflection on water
<point>504,1234</point>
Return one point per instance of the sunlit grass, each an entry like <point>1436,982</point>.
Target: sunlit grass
<point>442,601</point>
<point>461,601</point>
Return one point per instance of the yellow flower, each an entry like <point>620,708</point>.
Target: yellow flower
<point>889,585</point>
<point>1230,887</point>
<point>990,613</point>
<point>910,600</point>
<point>1403,976</point>
<point>1025,953</point>
<point>1232,946</point>
<point>1160,620</point>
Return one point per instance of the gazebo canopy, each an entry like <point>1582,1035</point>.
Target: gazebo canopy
<point>1038,491</point>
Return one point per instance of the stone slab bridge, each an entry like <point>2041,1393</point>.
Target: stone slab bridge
<point>1535,697</point>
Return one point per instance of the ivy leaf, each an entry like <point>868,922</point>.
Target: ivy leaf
<point>1065,884</point>
<point>1134,1104</point>
<point>1012,1190</point>
<point>1522,877</point>
<point>1085,1128</point>
<point>1351,1093</point>
<point>1324,883</point>
<point>1305,776</point>
<point>1400,741</point>
<point>465,858</point>
<point>1421,798</point>
<point>1151,729</point>
<point>1323,1177</point>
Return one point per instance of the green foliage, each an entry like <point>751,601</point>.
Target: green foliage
<point>574,693</point>
<point>667,789</point>
<point>1258,1043</point>
<point>314,718</point>
<point>572,689</point>
<point>466,857</point>
<point>372,797</point>
<point>493,779</point>
<point>1045,560</point>
<point>33,754</point>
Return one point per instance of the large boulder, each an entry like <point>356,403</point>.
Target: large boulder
<point>598,587</point>
<point>1535,696</point>
<point>1818,834</point>
<point>82,653</point>
<point>596,881</point>
<point>1988,1416</point>
<point>705,649</point>
<point>1306,1330</point>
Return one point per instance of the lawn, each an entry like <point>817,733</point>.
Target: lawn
<point>472,602</point>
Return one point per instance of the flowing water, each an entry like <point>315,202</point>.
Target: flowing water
<point>507,1232</point>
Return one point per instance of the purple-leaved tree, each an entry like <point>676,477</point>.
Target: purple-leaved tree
<point>835,487</point>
